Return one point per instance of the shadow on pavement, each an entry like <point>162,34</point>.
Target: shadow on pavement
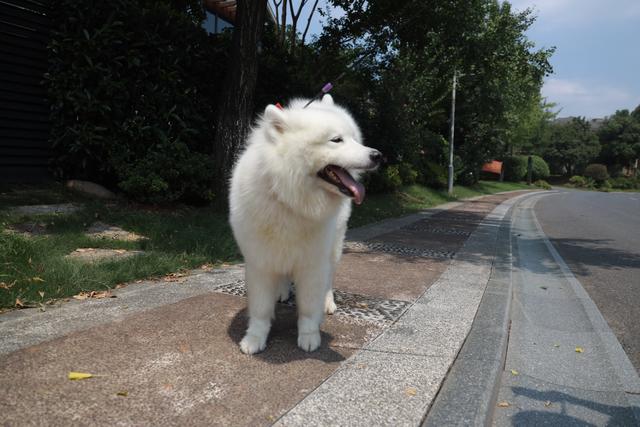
<point>282,344</point>
<point>618,415</point>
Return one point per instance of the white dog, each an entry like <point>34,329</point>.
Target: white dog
<point>290,200</point>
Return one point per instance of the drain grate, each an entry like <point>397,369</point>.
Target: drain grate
<point>396,250</point>
<point>436,230</point>
<point>351,306</point>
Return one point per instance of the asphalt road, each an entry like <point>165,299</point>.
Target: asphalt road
<point>598,235</point>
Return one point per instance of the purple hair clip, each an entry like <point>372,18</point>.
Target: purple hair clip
<point>325,89</point>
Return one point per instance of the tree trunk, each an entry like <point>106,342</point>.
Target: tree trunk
<point>236,106</point>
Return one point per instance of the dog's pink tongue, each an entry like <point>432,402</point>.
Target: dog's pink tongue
<point>347,180</point>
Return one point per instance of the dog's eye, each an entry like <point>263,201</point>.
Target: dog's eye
<point>337,139</point>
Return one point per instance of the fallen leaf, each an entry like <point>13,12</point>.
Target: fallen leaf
<point>556,345</point>
<point>81,296</point>
<point>361,366</point>
<point>79,376</point>
<point>29,261</point>
<point>362,305</point>
<point>41,294</point>
<point>120,251</point>
<point>411,391</point>
<point>503,404</point>
<point>579,350</point>
<point>19,303</point>
<point>122,393</point>
<point>547,403</point>
<point>3,285</point>
<point>514,372</point>
<point>94,295</point>
<point>543,287</point>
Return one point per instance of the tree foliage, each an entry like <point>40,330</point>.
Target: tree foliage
<point>132,85</point>
<point>414,47</point>
<point>572,146</point>
<point>620,139</point>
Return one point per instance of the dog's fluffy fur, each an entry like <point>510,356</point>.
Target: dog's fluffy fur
<point>289,205</point>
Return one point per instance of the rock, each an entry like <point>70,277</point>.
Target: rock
<point>63,208</point>
<point>90,189</point>
<point>97,255</point>
<point>28,229</point>
<point>100,230</point>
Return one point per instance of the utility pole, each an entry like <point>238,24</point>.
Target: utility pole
<point>453,120</point>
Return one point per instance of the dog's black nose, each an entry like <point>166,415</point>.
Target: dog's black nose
<point>376,156</point>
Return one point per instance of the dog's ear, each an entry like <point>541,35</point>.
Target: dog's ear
<point>275,118</point>
<point>327,99</point>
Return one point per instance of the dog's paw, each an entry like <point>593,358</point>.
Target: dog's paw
<point>252,344</point>
<point>330,306</point>
<point>284,292</point>
<point>309,342</point>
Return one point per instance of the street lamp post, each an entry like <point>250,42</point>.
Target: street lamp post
<point>453,120</point>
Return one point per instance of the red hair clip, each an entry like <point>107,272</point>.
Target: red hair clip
<point>279,106</point>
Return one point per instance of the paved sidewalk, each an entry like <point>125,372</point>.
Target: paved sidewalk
<point>166,352</point>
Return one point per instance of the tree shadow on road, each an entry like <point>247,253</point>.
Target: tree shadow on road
<point>618,415</point>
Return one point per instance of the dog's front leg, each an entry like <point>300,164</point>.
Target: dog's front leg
<point>311,290</point>
<point>262,291</point>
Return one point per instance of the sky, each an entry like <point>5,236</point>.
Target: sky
<point>597,59</point>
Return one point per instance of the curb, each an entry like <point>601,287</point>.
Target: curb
<point>477,368</point>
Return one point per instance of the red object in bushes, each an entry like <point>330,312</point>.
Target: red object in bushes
<point>492,167</point>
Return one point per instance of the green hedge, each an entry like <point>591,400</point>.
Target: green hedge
<point>133,86</point>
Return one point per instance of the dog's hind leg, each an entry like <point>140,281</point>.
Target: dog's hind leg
<point>311,290</point>
<point>262,291</point>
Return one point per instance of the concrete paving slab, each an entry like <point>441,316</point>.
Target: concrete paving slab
<point>100,230</point>
<point>372,388</point>
<point>551,355</point>
<point>551,313</point>
<point>99,254</point>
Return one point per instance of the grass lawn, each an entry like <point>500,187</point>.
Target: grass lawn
<point>34,269</point>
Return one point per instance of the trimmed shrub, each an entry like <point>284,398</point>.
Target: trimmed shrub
<point>539,168</point>
<point>133,88</point>
<point>408,174</point>
<point>515,168</point>
<point>597,172</point>
<point>541,183</point>
<point>578,181</point>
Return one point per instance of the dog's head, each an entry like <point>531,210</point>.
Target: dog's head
<point>319,146</point>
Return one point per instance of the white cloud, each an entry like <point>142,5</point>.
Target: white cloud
<point>590,99</point>
<point>578,13</point>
